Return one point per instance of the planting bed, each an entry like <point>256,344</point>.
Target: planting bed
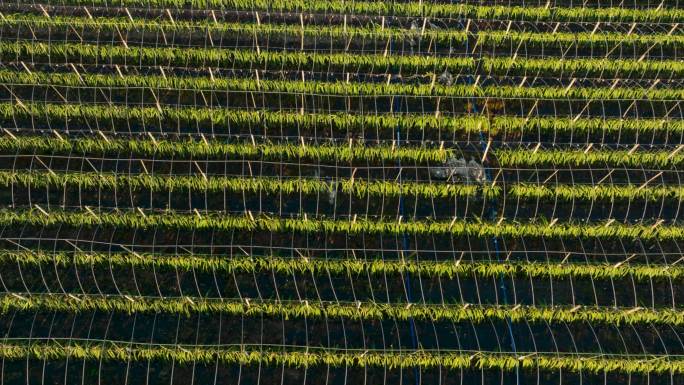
<point>341,192</point>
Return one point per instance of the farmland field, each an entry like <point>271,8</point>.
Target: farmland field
<point>341,192</point>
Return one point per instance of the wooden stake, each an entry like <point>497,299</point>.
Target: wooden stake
<point>19,297</point>
<point>88,13</point>
<point>622,262</point>
<point>631,29</point>
<point>565,259</point>
<point>26,68</point>
<point>73,67</point>
<point>142,213</point>
<point>154,141</point>
<point>41,210</point>
<point>121,37</point>
<point>204,176</point>
<point>9,133</point>
<point>675,151</point>
<point>536,148</point>
<point>45,13</point>
<point>128,13</point>
<point>168,12</point>
<point>484,156</point>
<point>45,165</point>
<point>636,146</point>
<point>649,181</point>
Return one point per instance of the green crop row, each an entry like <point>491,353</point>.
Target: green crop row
<point>223,118</point>
<point>230,58</point>
<point>314,309</point>
<point>427,9</point>
<point>297,87</point>
<point>299,358</point>
<point>266,30</point>
<point>357,187</point>
<point>215,149</point>
<point>223,222</point>
<point>592,193</point>
<point>375,266</point>
<point>580,39</point>
<point>580,157</point>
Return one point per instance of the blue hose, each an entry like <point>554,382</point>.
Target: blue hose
<point>492,216</point>
<point>405,244</point>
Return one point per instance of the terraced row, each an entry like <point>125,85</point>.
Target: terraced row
<point>300,358</point>
<point>336,88</point>
<point>357,187</point>
<point>347,152</point>
<point>424,9</point>
<point>55,52</point>
<point>367,311</point>
<point>449,37</point>
<point>139,219</point>
<point>378,266</point>
<point>80,115</point>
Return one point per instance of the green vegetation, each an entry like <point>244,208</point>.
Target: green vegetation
<point>436,10</point>
<point>185,354</point>
<point>223,222</point>
<point>228,58</point>
<point>376,266</point>
<point>216,149</point>
<point>580,157</point>
<point>308,32</point>
<point>83,113</point>
<point>357,187</point>
<point>592,193</point>
<point>297,87</point>
<point>371,311</point>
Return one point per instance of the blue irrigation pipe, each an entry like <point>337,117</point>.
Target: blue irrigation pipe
<point>404,238</point>
<point>407,276</point>
<point>492,216</point>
